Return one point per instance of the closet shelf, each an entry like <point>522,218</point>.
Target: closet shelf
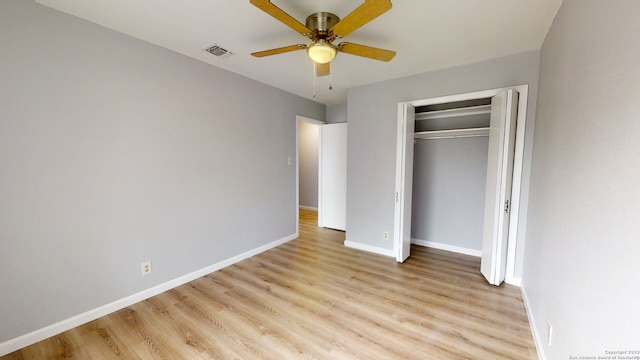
<point>452,134</point>
<point>467,111</point>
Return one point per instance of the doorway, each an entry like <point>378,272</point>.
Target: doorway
<point>505,225</point>
<point>307,164</point>
<point>321,171</point>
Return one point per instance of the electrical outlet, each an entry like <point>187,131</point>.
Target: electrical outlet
<point>146,268</point>
<point>385,235</point>
<point>549,332</point>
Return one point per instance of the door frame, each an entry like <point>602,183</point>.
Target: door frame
<point>299,119</point>
<point>518,165</point>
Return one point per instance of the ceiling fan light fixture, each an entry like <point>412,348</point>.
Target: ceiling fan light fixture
<point>322,51</point>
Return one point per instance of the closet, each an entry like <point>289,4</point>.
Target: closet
<point>454,176</point>
<point>449,174</point>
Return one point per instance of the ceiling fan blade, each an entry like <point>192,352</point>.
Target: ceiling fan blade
<point>364,13</point>
<point>323,69</point>
<point>276,12</point>
<point>366,51</point>
<point>279,50</point>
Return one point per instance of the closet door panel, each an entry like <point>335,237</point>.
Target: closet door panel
<point>498,186</point>
<point>404,181</point>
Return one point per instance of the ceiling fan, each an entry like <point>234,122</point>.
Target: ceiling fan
<point>323,28</point>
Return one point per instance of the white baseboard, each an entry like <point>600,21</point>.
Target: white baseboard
<point>537,339</point>
<point>447,247</point>
<point>369,248</point>
<point>308,208</point>
<point>64,325</point>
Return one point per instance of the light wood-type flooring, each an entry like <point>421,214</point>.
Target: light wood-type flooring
<point>312,298</point>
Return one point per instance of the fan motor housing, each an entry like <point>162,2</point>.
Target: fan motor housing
<point>322,21</point>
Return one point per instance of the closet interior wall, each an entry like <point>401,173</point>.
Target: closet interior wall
<point>449,175</point>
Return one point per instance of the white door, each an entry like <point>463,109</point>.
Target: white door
<point>332,193</point>
<point>404,181</point>
<point>502,131</point>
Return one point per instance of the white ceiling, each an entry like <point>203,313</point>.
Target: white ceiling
<point>427,35</point>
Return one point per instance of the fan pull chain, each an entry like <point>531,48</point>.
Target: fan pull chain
<point>330,82</point>
<point>315,75</point>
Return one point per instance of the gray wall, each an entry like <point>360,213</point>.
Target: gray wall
<point>372,113</point>
<point>114,151</point>
<point>337,113</point>
<point>582,268</point>
<point>308,138</point>
<point>449,177</point>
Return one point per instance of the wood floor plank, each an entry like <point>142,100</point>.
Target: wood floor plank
<point>314,298</point>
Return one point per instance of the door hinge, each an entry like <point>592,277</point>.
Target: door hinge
<point>506,207</point>
<point>396,196</point>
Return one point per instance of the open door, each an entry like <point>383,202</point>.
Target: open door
<point>332,189</point>
<point>502,132</point>
<point>404,181</point>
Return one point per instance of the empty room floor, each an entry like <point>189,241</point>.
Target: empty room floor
<point>314,298</point>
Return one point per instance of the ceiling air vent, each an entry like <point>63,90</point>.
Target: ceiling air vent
<point>218,51</point>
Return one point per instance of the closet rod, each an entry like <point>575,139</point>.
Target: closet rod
<point>452,134</point>
<point>449,137</point>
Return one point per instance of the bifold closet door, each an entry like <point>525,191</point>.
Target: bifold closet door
<point>332,193</point>
<point>502,133</point>
<point>404,181</point>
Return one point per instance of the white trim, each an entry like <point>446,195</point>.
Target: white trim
<point>310,120</point>
<point>537,339</point>
<point>447,247</point>
<point>462,97</point>
<point>518,164</point>
<point>33,337</point>
<point>308,208</point>
<point>320,206</point>
<point>369,248</point>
